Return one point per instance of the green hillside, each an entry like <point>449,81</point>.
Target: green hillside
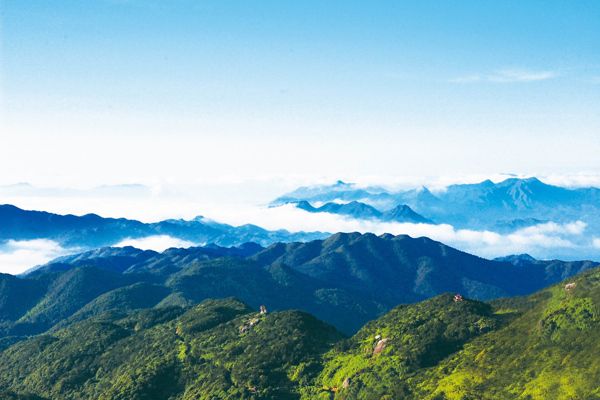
<point>219,349</point>
<point>377,360</point>
<point>550,351</point>
<point>545,346</point>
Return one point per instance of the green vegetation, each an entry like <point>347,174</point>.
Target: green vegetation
<point>551,350</point>
<point>346,280</point>
<point>167,353</point>
<point>377,361</point>
<point>544,346</point>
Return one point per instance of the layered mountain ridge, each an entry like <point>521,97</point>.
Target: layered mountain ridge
<point>358,210</point>
<point>92,231</point>
<point>346,279</point>
<point>448,347</point>
<point>504,206</point>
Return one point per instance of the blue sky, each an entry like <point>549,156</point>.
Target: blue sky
<point>113,91</point>
<point>221,105</point>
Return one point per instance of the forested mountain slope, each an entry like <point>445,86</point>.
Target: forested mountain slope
<point>345,280</point>
<point>543,346</point>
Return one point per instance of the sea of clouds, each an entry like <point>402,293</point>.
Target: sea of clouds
<point>242,202</point>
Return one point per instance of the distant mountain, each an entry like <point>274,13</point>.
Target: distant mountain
<point>515,194</point>
<point>91,231</point>
<point>504,206</point>
<point>474,204</point>
<point>345,280</point>
<point>507,226</point>
<point>119,259</point>
<point>517,259</point>
<point>358,210</point>
<point>352,209</point>
<point>403,213</point>
<point>69,230</point>
<point>420,197</point>
<point>327,193</point>
<point>555,270</point>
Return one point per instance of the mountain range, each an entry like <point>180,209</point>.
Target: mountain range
<point>504,206</point>
<point>538,347</point>
<point>92,231</point>
<point>345,280</point>
<point>358,210</point>
<point>350,315</point>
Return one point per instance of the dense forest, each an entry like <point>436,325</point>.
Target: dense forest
<point>345,280</point>
<point>542,346</point>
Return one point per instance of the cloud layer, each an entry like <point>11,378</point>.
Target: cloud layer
<point>226,202</point>
<point>156,243</point>
<point>544,240</point>
<point>18,256</point>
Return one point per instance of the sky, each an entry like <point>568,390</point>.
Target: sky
<point>132,91</point>
<point>217,107</point>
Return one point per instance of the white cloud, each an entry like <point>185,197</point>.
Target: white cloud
<point>231,205</point>
<point>579,180</point>
<point>164,200</point>
<point>544,240</point>
<point>508,76</point>
<point>156,243</point>
<point>521,75</point>
<point>19,256</point>
<point>572,228</point>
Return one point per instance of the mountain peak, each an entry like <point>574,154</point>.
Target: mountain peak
<point>521,182</point>
<point>517,259</point>
<point>354,209</point>
<point>403,213</point>
<point>305,205</point>
<point>532,179</point>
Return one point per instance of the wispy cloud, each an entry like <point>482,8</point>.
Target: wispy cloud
<point>579,180</point>
<point>509,75</point>
<point>520,75</point>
